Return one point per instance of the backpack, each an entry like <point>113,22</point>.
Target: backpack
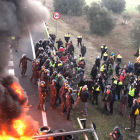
<point>137,111</point>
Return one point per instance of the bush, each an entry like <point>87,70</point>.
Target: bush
<point>69,7</point>
<point>135,33</point>
<point>117,6</point>
<point>101,22</point>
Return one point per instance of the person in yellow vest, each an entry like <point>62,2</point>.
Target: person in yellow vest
<point>131,94</point>
<point>103,49</point>
<point>79,40</point>
<point>67,37</point>
<point>105,56</point>
<point>102,68</point>
<point>133,114</point>
<point>14,42</point>
<point>119,58</point>
<point>95,92</point>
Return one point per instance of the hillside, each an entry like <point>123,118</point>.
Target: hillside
<point>117,41</point>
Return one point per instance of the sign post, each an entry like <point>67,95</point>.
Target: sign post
<point>56,16</point>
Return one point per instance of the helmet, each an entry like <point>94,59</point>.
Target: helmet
<point>66,86</point>
<point>70,90</point>
<point>98,57</point>
<point>37,43</point>
<point>40,48</point>
<point>42,68</point>
<point>40,55</point>
<point>34,60</point>
<point>42,83</point>
<point>40,41</point>
<point>46,56</point>
<point>37,63</point>
<point>60,76</point>
<point>53,81</point>
<point>47,47</point>
<point>48,60</point>
<point>45,71</point>
<point>24,55</point>
<point>51,66</point>
<point>65,82</point>
<point>44,53</point>
<point>55,73</point>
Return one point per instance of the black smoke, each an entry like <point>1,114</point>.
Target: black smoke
<point>15,15</point>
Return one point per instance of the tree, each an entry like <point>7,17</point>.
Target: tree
<point>117,6</point>
<point>69,7</point>
<point>135,33</point>
<point>138,8</point>
<point>101,22</point>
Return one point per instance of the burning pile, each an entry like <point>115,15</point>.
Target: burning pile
<point>15,124</point>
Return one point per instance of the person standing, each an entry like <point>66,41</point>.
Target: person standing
<point>106,101</point>
<point>131,95</point>
<point>83,50</point>
<point>103,49</point>
<point>53,93</point>
<point>95,92</point>
<point>133,114</point>
<point>79,40</point>
<point>119,58</point>
<point>60,43</point>
<point>23,64</point>
<point>94,72</point>
<point>42,95</point>
<point>69,102</point>
<point>123,103</point>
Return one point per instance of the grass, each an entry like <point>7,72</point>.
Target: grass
<point>130,5</point>
<point>117,40</point>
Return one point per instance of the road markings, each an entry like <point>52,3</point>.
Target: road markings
<point>11,63</point>
<point>11,71</point>
<point>44,117</point>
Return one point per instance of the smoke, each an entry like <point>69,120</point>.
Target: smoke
<point>15,15</point>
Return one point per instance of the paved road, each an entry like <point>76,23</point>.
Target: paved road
<point>54,119</point>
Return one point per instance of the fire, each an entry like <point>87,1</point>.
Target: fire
<point>16,87</point>
<point>19,127</point>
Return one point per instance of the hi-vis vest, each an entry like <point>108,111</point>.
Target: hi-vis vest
<point>80,90</point>
<point>79,36</point>
<point>80,59</point>
<point>105,54</point>
<point>131,92</point>
<point>66,35</point>
<point>115,82</point>
<point>13,37</point>
<point>102,68</point>
<point>119,56</point>
<point>105,47</point>
<point>59,64</point>
<point>97,89</point>
<point>120,83</point>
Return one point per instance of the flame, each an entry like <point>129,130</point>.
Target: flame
<point>18,90</point>
<point>19,127</point>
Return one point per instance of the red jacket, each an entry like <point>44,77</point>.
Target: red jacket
<point>122,78</point>
<point>61,50</point>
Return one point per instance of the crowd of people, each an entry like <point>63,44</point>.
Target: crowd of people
<point>61,76</point>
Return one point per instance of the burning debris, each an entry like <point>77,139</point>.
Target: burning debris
<point>14,122</point>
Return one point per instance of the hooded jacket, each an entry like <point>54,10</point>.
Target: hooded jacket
<point>118,135</point>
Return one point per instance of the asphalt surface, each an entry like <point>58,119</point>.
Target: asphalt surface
<point>54,119</point>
